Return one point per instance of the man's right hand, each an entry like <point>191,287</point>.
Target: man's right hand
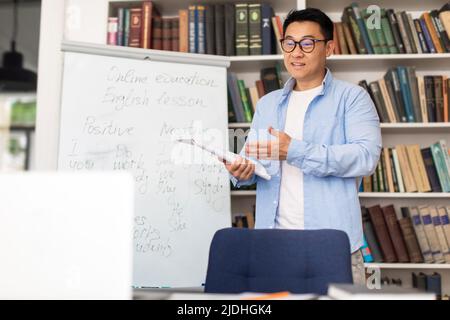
<point>241,169</point>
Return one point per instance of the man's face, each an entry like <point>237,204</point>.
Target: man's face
<point>301,65</point>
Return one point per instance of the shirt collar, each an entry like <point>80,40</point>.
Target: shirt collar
<point>289,85</point>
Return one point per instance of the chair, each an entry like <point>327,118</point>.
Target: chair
<point>271,260</point>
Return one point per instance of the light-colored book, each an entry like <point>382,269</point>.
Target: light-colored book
<point>430,232</point>
<point>440,233</point>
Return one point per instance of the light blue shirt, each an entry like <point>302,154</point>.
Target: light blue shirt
<point>341,144</point>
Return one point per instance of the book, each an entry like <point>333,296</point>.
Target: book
<point>135,27</point>
<point>444,217</point>
<point>242,29</point>
<point>254,25</point>
<point>409,235</point>
<point>430,233</point>
<point>370,236</point>
<point>219,28</point>
<point>392,18</point>
<point>431,170</point>
<point>248,114</point>
<point>184,30</point>
<point>416,220</point>
<point>157,33</point>
<point>112,30</point>
<point>422,98</point>
<point>146,27</point>
<point>393,227</point>
<point>193,29</point>
<point>201,28</point>
<point>270,79</point>
<point>439,160</point>
<point>230,29</point>
<point>388,32</point>
<point>382,233</point>
<point>210,32</point>
<point>267,32</point>
<point>435,217</point>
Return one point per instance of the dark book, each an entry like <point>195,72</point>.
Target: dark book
<point>403,31</point>
<point>235,97</point>
<point>382,233</point>
<point>201,36</point>
<point>406,93</point>
<point>412,83</point>
<point>230,29</point>
<point>231,114</point>
<point>349,17</point>
<point>362,28</point>
<point>430,98</point>
<point>254,26</point>
<point>260,87</point>
<point>392,18</point>
<point>421,36</point>
<point>126,28</point>
<point>369,233</point>
<point>135,27</point>
<point>379,101</point>
<point>439,98</point>
<point>419,281</point>
<point>120,26</point>
<point>242,29</point>
<point>434,284</point>
<point>270,79</point>
<point>157,33</point>
<point>394,173</point>
<point>219,28</point>
<point>167,34</point>
<point>391,77</point>
<point>431,170</point>
<point>395,233</point>
<point>210,31</point>
<point>409,235</point>
<point>409,32</point>
<point>267,33</point>
<point>427,36</point>
<point>193,29</point>
<point>363,84</point>
<point>175,34</point>
<point>387,31</point>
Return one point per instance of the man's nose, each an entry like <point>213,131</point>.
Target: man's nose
<point>297,53</point>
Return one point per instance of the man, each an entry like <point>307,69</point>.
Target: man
<point>317,137</point>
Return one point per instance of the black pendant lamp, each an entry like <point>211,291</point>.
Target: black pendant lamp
<point>13,77</point>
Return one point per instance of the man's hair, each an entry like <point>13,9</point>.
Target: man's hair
<point>314,15</point>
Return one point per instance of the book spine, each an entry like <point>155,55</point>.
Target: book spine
<point>146,32</point>
<point>242,34</point>
<point>362,28</point>
<point>245,102</point>
<point>392,18</point>
<point>135,27</point>
<point>421,36</point>
<point>112,30</point>
<point>166,34</point>
<point>422,98</point>
<point>439,99</point>
<point>341,37</point>
<point>421,236</point>
<point>157,33</point>
<point>349,38</point>
<point>427,36</point>
<point>267,33</point>
<point>414,37</point>
<point>126,28</point>
<point>349,15</point>
<point>403,32</point>
<point>387,31</point>
<point>120,24</point>
<point>219,28</point>
<point>431,170</point>
<point>369,234</point>
<point>374,39</point>
<point>406,93</point>
<point>395,233</point>
<point>230,30</point>
<point>393,77</point>
<point>201,36</point>
<point>441,166</point>
<point>433,32</point>
<point>184,30</point>
<point>192,29</point>
<point>411,242</point>
<point>175,34</point>
<point>255,37</point>
<point>381,230</point>
<point>440,233</point>
<point>412,85</point>
<point>445,42</point>
<point>366,252</point>
<point>429,95</point>
<point>270,79</point>
<point>235,96</point>
<point>430,232</point>
<point>209,29</point>
<point>398,172</point>
<point>444,217</point>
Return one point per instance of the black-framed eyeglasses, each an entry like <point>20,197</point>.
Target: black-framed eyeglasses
<point>307,45</point>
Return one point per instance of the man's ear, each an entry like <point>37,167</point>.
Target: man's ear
<point>330,47</point>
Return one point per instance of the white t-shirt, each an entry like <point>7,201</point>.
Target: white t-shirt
<point>291,210</point>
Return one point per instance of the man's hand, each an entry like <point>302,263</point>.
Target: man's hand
<point>270,150</point>
<point>241,169</point>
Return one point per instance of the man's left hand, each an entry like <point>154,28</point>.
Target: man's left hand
<point>270,150</point>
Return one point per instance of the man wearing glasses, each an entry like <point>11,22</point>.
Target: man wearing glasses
<point>317,137</point>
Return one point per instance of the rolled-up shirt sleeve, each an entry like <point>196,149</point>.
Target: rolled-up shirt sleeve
<point>357,157</point>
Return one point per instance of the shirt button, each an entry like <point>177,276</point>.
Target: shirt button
<point>275,202</point>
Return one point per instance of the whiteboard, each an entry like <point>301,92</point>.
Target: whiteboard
<point>121,113</point>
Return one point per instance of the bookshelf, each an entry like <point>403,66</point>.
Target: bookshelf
<point>91,26</point>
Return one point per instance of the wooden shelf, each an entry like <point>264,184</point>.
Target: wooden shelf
<point>402,195</point>
<point>431,266</point>
<point>385,127</point>
<point>396,195</point>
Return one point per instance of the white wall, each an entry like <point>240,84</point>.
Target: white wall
<point>28,31</point>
